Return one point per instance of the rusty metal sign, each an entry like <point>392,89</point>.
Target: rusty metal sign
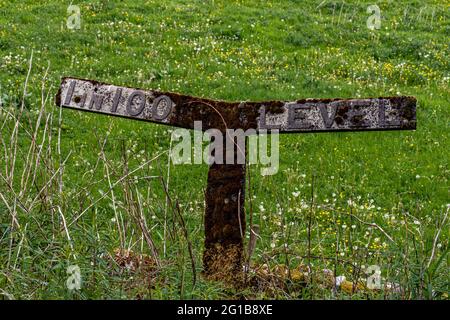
<point>307,115</point>
<point>224,212</point>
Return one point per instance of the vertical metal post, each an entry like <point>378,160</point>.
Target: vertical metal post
<point>224,222</point>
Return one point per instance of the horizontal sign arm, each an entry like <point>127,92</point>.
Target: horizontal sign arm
<point>307,115</point>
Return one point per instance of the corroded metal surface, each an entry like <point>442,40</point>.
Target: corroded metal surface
<point>307,115</point>
<point>224,221</point>
<point>342,115</point>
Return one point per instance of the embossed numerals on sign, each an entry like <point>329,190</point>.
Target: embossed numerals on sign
<point>126,102</point>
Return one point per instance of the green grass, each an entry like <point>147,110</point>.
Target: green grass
<point>232,50</point>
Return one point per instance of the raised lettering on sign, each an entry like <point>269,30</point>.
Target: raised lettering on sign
<point>308,115</point>
<point>341,115</point>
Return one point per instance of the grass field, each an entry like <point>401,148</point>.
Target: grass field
<point>354,199</point>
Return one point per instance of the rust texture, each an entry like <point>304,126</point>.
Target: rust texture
<point>224,222</point>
